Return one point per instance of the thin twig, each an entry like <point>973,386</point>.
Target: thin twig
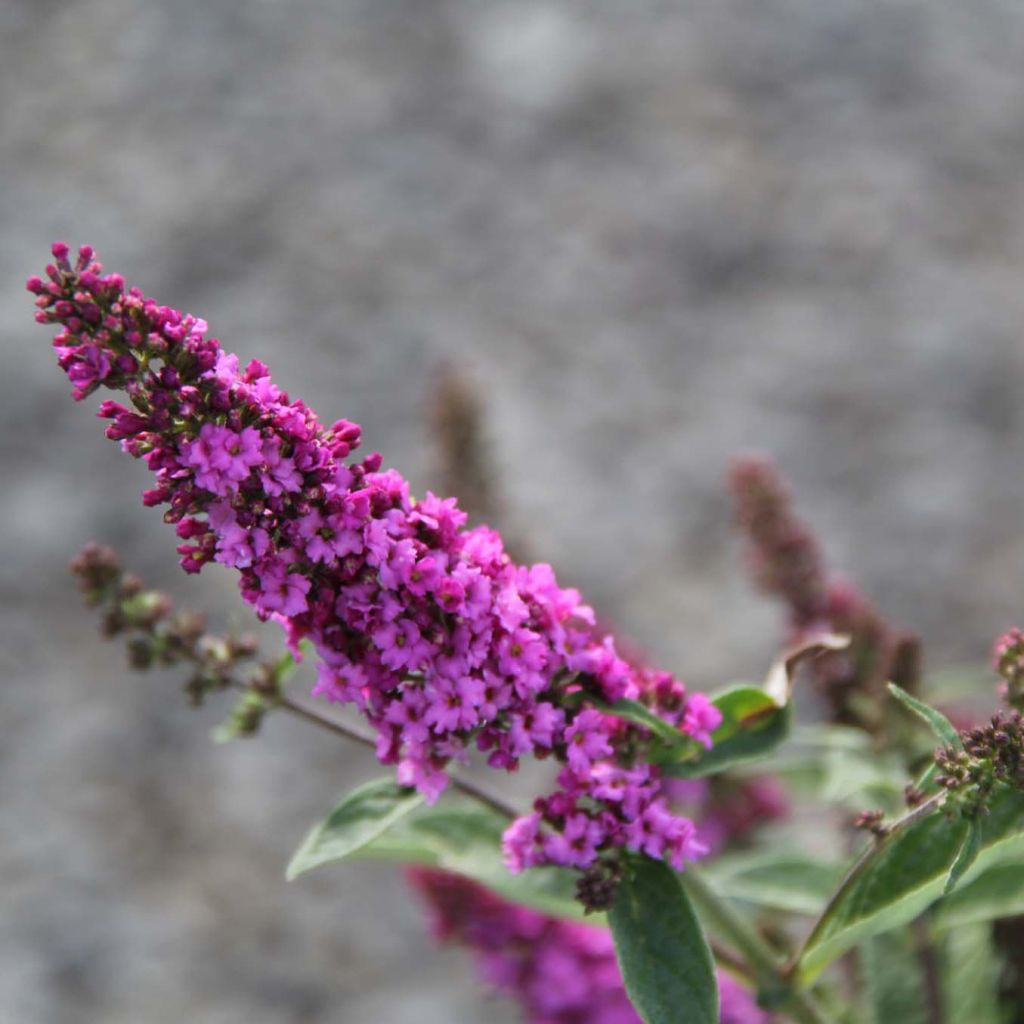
<point>350,732</point>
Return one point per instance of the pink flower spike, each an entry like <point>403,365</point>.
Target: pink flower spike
<point>428,627</point>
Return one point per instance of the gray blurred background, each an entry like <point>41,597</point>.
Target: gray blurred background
<point>655,234</point>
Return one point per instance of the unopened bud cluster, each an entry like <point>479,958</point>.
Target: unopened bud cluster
<point>992,755</point>
<point>872,821</point>
<point>158,636</point>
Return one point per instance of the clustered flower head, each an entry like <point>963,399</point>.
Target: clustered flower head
<point>786,560</point>
<point>561,972</point>
<point>1008,661</point>
<point>992,755</point>
<point>428,627</point>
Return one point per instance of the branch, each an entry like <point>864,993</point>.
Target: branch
<point>349,732</point>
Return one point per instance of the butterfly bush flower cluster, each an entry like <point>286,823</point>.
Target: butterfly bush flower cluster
<point>439,638</point>
<point>560,972</point>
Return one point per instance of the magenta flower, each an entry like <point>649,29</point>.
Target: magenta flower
<point>281,591</point>
<point>522,843</point>
<point>701,718</point>
<point>222,458</point>
<point>587,740</point>
<point>576,844</point>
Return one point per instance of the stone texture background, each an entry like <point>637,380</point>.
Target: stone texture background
<point>656,233</point>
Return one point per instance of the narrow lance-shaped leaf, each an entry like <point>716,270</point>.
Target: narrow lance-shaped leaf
<point>780,879</point>
<point>904,873</point>
<point>968,854</point>
<point>664,958</point>
<point>635,712</point>
<point>752,724</point>
<point>939,724</point>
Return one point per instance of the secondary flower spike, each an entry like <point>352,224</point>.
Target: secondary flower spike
<point>430,628</point>
<point>786,560</point>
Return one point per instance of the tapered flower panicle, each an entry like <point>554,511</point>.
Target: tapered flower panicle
<point>784,556</point>
<point>430,628</point>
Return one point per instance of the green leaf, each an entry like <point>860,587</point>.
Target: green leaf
<point>967,975</point>
<point>903,874</point>
<point>927,777</point>
<point>752,724</point>
<point>461,836</point>
<point>996,892</point>
<point>840,765</point>
<point>875,778</point>
<point>755,719</point>
<point>382,821</point>
<point>970,980</point>
<point>635,712</point>
<point>359,819</point>
<point>664,958</point>
<point>965,858</point>
<point>939,724</point>
<point>801,762</point>
<point>892,976</point>
<point>779,880</point>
